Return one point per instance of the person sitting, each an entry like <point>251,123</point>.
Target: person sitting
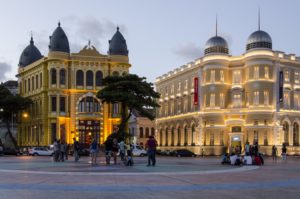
<point>247,159</point>
<point>257,160</point>
<point>261,158</point>
<point>238,161</point>
<point>233,158</point>
<point>225,159</point>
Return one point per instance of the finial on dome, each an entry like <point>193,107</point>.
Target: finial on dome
<point>58,23</point>
<point>31,38</point>
<point>118,28</point>
<point>258,18</point>
<point>217,25</point>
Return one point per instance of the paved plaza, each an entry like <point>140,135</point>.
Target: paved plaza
<point>40,177</point>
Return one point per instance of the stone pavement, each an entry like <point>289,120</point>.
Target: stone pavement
<point>39,177</point>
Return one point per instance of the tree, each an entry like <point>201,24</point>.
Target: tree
<point>132,92</point>
<point>9,105</point>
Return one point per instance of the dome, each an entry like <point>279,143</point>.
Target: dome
<point>216,44</point>
<point>59,41</point>
<point>259,39</point>
<point>29,55</point>
<point>117,44</point>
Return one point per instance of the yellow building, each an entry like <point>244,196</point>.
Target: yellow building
<point>63,88</point>
<point>219,101</point>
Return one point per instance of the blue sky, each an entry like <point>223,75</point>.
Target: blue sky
<point>161,34</point>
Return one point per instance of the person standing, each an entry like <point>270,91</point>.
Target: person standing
<point>67,151</point>
<point>76,149</point>
<point>108,149</point>
<point>122,149</point>
<point>62,151</point>
<point>115,149</point>
<point>94,149</point>
<point>283,151</point>
<point>56,150</point>
<point>274,153</point>
<point>151,146</point>
<point>247,148</point>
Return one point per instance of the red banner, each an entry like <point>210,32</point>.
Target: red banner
<point>196,91</point>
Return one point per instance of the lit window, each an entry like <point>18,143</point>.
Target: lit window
<point>266,98</point>
<point>212,76</point>
<point>256,98</point>
<point>237,102</point>
<point>296,101</point>
<point>266,72</point>
<point>297,78</point>
<point>221,75</point>
<point>256,72</point>
<point>212,100</point>
<point>237,77</point>
<point>287,76</point>
<point>222,101</point>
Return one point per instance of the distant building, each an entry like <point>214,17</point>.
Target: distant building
<point>140,128</point>
<point>63,87</point>
<point>220,102</point>
<point>12,86</point>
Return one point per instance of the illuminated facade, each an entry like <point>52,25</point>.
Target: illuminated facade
<point>238,99</point>
<point>63,88</point>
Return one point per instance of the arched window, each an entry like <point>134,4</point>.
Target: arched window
<point>193,132</point>
<point>286,133</point>
<point>32,83</point>
<point>185,135</point>
<point>166,137</point>
<point>172,136</point>
<point>99,77</point>
<point>147,132</point>
<point>115,73</point>
<point>37,81</point>
<point>178,136</point>
<point>62,77</point>
<point>141,132</point>
<point>152,131</point>
<point>296,134</point>
<point>53,76</point>
<point>124,73</point>
<point>79,78</point>
<point>160,137</point>
<point>89,78</point>
<point>89,104</point>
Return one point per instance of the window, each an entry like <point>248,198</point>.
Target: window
<point>41,80</point>
<point>53,104</point>
<point>25,86</point>
<point>255,137</point>
<point>236,77</point>
<point>62,104</point>
<point>99,77</point>
<point>286,100</point>
<point>179,106</point>
<point>266,72</point>
<point>89,78</point>
<point>256,72</point>
<point>172,89</point>
<point>53,76</point>
<point>62,77</point>
<point>141,132</point>
<point>166,109</point>
<point>185,105</point>
<point>222,101</point>
<point>212,76</point>
<point>79,78</point>
<point>185,84</point>
<point>212,100</point>
<point>37,81</point>
<point>297,78</point>
<point>266,98</point>
<point>221,75</point>
<point>247,73</point>
<point>32,83</point>
<point>237,102</point>
<point>115,73</point>
<point>172,108</point>
<point>89,104</point>
<point>115,108</point>
<point>296,101</point>
<point>212,139</point>
<point>256,98</point>
<point>28,84</point>
<point>179,87</point>
<point>287,76</point>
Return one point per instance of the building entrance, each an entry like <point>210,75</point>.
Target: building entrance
<point>89,129</point>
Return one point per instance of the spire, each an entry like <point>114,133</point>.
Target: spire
<point>118,28</point>
<point>258,18</point>
<point>31,38</point>
<point>217,25</point>
<point>58,23</point>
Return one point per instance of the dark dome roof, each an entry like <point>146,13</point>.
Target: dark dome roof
<point>59,41</point>
<point>216,44</point>
<point>259,39</point>
<point>29,55</point>
<point>117,44</point>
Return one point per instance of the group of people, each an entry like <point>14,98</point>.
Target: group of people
<point>61,151</point>
<point>252,155</point>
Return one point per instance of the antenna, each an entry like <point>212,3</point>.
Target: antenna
<point>258,18</point>
<point>216,24</point>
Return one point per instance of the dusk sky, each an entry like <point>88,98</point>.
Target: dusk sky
<point>161,34</point>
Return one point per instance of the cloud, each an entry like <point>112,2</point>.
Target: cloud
<point>5,69</point>
<point>189,51</point>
